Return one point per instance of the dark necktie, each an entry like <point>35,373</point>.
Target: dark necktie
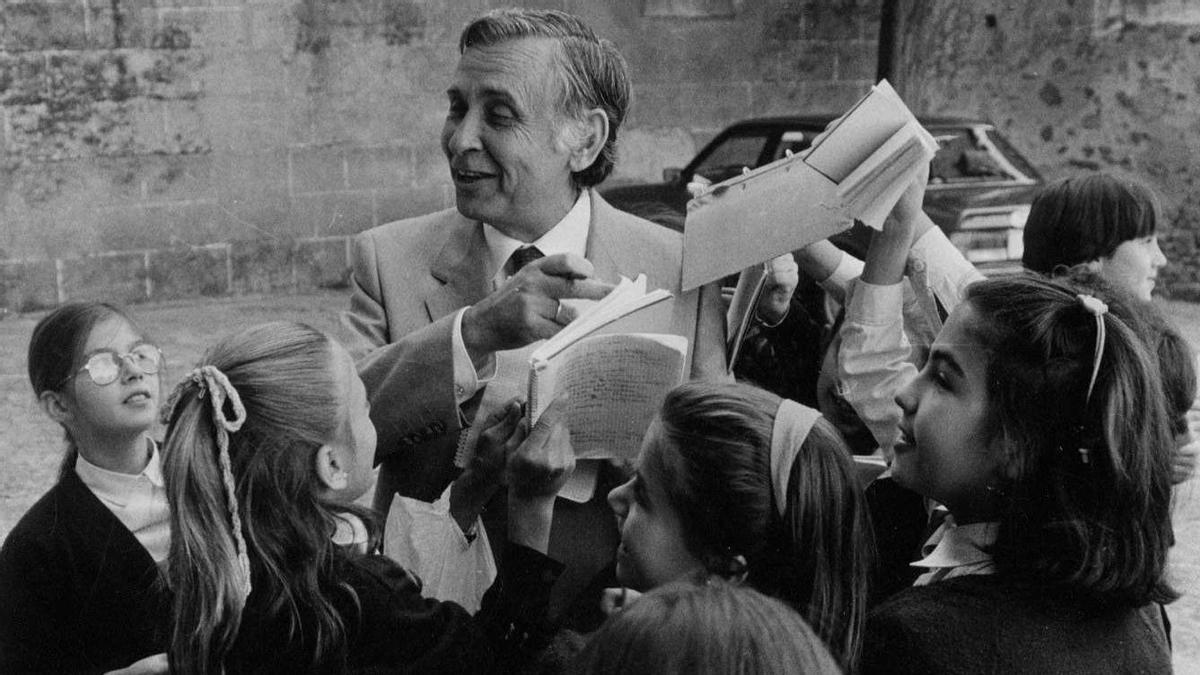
<point>520,258</point>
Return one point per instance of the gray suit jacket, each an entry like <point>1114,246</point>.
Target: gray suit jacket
<point>412,275</point>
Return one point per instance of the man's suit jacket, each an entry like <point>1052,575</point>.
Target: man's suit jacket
<point>411,276</point>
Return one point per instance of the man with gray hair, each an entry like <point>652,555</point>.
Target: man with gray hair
<point>534,108</point>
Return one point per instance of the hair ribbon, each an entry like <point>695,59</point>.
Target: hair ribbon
<point>219,388</point>
<point>1097,309</point>
<point>793,422</point>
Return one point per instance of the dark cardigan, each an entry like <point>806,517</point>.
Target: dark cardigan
<point>392,628</point>
<point>988,624</point>
<point>78,592</point>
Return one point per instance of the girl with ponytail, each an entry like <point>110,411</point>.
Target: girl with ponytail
<point>268,444</point>
<point>735,482</point>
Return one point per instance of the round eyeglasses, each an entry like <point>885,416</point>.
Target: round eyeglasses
<point>104,367</point>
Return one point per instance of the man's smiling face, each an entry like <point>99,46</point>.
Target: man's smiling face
<point>504,137</point>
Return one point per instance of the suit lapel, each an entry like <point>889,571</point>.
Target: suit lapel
<point>461,268</point>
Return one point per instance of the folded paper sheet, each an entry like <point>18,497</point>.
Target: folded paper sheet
<point>858,170</point>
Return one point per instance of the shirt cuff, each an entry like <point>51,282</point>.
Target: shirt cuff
<point>874,304</point>
<point>467,380</point>
<point>948,272</point>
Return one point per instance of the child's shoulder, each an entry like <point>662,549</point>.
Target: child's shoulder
<point>977,622</point>
<point>50,515</point>
<point>378,573</point>
<point>49,531</point>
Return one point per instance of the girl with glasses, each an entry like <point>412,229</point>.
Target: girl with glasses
<point>79,574</point>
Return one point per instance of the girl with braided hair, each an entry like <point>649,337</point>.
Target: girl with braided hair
<point>272,566</point>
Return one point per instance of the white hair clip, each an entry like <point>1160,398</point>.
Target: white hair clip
<point>1096,307</point>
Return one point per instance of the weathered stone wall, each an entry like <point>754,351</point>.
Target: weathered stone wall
<point>1078,86</point>
<point>160,124</point>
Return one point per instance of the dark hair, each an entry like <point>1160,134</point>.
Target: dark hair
<point>1087,505</point>
<point>594,74</point>
<point>1167,346</point>
<point>56,351</point>
<point>702,627</point>
<point>1085,218</point>
<point>715,468</point>
<point>1176,364</point>
<point>284,375</point>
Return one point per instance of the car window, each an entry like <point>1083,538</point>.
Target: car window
<point>728,158</point>
<point>793,141</point>
<point>1019,162</point>
<point>971,155</point>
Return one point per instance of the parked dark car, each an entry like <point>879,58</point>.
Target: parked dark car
<point>979,189</point>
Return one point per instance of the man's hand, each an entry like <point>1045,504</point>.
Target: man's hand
<point>526,308</point>
<point>537,470</point>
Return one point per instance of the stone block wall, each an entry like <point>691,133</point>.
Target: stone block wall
<point>159,125</point>
<point>1079,86</point>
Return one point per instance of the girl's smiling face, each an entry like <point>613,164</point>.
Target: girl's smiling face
<point>652,550</point>
<point>124,407</point>
<point>946,452</point>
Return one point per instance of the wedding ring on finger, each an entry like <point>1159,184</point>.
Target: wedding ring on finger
<point>559,317</point>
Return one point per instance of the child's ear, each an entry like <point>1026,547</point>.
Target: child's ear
<point>330,468</point>
<point>590,135</point>
<point>55,406</point>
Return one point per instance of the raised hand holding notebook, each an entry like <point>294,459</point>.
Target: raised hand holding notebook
<point>857,169</point>
<point>873,153</point>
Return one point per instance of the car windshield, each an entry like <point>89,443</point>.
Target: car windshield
<point>727,159</point>
<point>976,155</point>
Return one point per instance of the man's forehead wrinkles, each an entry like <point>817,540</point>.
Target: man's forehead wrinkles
<point>526,70</point>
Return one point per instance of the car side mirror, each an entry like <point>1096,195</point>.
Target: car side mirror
<point>672,175</point>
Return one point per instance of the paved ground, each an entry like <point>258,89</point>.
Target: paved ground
<point>31,445</point>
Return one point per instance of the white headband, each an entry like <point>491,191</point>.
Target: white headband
<point>792,424</point>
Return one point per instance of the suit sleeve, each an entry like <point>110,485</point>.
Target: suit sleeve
<point>407,368</point>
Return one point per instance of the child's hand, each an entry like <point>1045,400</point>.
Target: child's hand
<point>888,253</point>
<point>613,600</point>
<point>502,433</point>
<point>541,465</point>
<point>1183,460</point>
<point>908,212</point>
<point>537,470</point>
<point>783,275</point>
<point>471,491</point>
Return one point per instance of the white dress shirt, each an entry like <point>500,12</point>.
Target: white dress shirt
<point>568,236</point>
<point>139,500</point>
<point>883,322</point>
